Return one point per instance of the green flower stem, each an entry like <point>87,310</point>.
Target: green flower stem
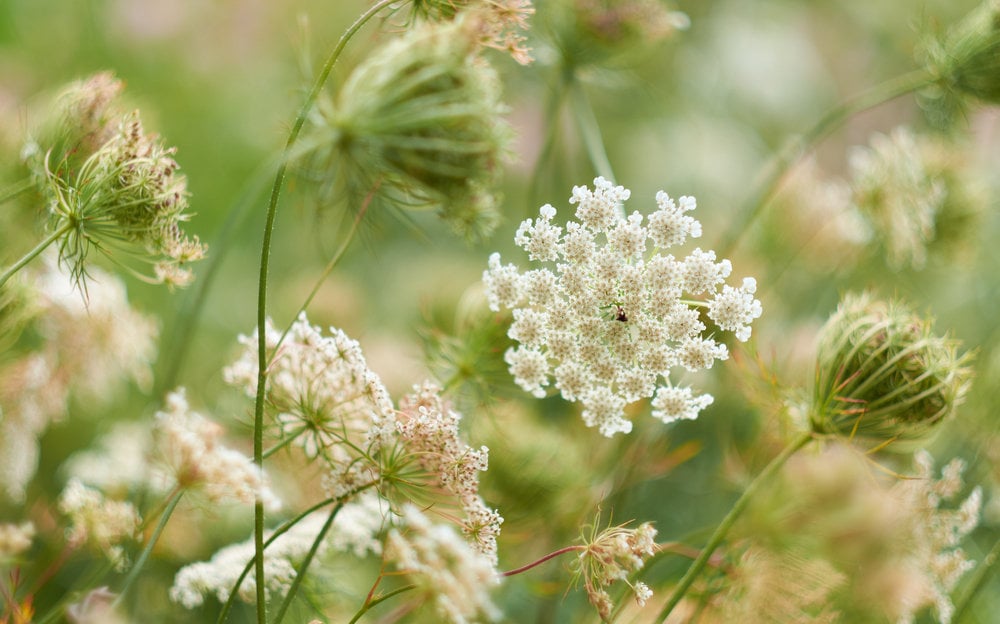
<point>729,520</point>
<point>301,572</point>
<point>553,107</point>
<point>133,574</point>
<point>590,131</point>
<point>329,265</point>
<point>31,255</point>
<point>371,603</point>
<point>265,256</point>
<point>977,582</point>
<point>799,146</point>
<point>278,532</point>
<point>10,193</point>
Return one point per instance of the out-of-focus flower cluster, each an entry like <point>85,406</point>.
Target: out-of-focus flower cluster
<point>97,520</point>
<point>872,549</point>
<point>457,575</point>
<point>60,348</point>
<point>615,315</point>
<point>355,530</point>
<point>319,389</point>
<point>191,451</point>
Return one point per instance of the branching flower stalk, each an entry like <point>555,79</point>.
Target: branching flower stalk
<point>272,208</point>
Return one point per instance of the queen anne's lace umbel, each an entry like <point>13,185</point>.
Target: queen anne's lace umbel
<point>607,314</point>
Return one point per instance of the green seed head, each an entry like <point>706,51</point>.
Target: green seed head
<point>883,376</point>
<point>966,60</point>
<point>418,123</point>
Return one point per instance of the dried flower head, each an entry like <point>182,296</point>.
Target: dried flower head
<point>446,567</point>
<point>883,376</point>
<point>779,586</point>
<point>126,196</point>
<point>616,315</point>
<point>417,124</point>
<point>891,550</point>
<point>500,22</point>
<point>611,555</point>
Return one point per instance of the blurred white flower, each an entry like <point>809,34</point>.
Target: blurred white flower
<point>190,447</point>
<point>354,530</point>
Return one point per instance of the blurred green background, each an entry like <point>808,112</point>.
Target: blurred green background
<point>698,113</point>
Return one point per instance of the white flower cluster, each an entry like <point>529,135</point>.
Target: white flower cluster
<point>457,576</point>
<point>15,539</point>
<point>190,448</point>
<point>613,314</point>
<point>319,387</point>
<point>99,521</point>
<point>354,530</point>
<point>428,429</point>
<point>936,557</point>
<point>894,190</point>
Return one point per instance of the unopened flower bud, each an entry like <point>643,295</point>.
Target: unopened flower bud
<point>418,124</point>
<point>967,59</point>
<point>883,376</point>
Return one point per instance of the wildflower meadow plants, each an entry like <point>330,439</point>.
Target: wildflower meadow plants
<point>360,400</point>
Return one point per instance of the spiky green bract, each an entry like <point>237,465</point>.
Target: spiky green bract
<point>883,376</point>
<point>965,61</point>
<point>127,194</point>
<point>417,125</point>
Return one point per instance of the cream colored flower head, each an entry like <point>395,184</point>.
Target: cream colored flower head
<point>608,314</point>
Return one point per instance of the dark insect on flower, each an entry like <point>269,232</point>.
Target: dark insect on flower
<point>620,314</point>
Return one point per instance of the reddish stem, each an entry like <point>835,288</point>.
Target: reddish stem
<point>551,555</point>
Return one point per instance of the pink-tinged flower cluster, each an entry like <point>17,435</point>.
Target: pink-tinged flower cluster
<point>428,431</point>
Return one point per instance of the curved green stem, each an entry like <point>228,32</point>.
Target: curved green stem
<point>799,146</point>
<point>301,573</point>
<point>728,521</point>
<point>590,131</point>
<point>31,255</point>
<point>265,255</point>
<point>329,266</point>
<point>10,193</point>
<point>371,603</point>
<point>551,119</point>
<point>977,582</point>
<point>177,343</point>
<point>144,555</point>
